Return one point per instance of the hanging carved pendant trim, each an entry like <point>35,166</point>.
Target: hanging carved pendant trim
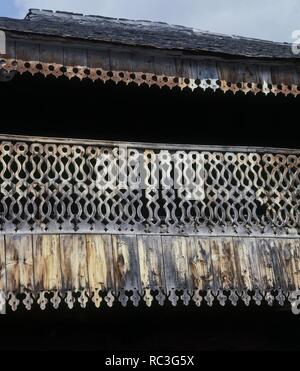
<point>57,299</point>
<point>150,79</point>
<point>82,270</point>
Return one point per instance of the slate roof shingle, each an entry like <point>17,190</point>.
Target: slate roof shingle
<point>143,33</point>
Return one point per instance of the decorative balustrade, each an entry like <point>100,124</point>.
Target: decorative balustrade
<point>55,186</point>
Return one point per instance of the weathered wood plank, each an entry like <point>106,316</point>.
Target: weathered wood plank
<point>223,262</point>
<point>19,264</point>
<point>263,73</point>
<point>236,72</point>
<point>164,65</point>
<point>296,262</point>
<point>99,261</point>
<point>73,262</point>
<point>75,57</point>
<point>121,61</point>
<point>47,265</point>
<point>51,54</point>
<point>27,51</point>
<point>176,263</point>
<point>98,59</point>
<point>200,263</point>
<point>278,264</point>
<point>152,275</point>
<point>284,74</point>
<point>227,264</point>
<point>10,49</point>
<point>243,270</point>
<point>126,267</point>
<point>215,257</point>
<point>151,262</point>
<point>286,251</point>
<point>142,63</point>
<point>197,69</point>
<point>2,265</point>
<point>247,264</point>
<point>246,72</point>
<point>264,252</point>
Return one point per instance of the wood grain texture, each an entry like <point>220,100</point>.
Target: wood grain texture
<point>227,264</point>
<point>75,57</point>
<point>74,262</point>
<point>215,258</point>
<point>47,263</point>
<point>197,69</point>
<point>287,251</point>
<point>19,263</point>
<point>200,263</point>
<point>98,59</point>
<point>27,51</point>
<point>51,54</point>
<point>278,265</point>
<point>247,264</point>
<point>2,265</point>
<point>77,262</point>
<point>251,250</point>
<point>242,264</point>
<point>264,252</point>
<point>11,49</point>
<point>290,252</point>
<point>120,61</point>
<point>151,262</point>
<point>296,263</point>
<point>126,263</point>
<point>100,264</point>
<point>176,263</point>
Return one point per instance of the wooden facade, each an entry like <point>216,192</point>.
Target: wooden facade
<point>71,269</point>
<point>107,222</point>
<point>98,48</point>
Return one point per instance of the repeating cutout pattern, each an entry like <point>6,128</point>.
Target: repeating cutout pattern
<point>78,270</point>
<point>83,188</point>
<point>139,78</point>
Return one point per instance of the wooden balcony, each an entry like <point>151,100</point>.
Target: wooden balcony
<point>108,222</point>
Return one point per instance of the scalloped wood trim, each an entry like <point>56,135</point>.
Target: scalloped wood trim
<point>50,270</point>
<point>98,298</point>
<point>149,79</point>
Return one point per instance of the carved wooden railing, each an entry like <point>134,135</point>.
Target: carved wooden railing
<point>124,222</point>
<point>54,185</point>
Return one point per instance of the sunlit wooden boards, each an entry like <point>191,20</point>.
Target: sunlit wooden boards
<point>100,268</point>
<point>2,277</point>
<point>200,263</point>
<point>151,266</point>
<point>176,267</point>
<point>144,267</point>
<point>74,264</point>
<point>126,268</point>
<point>46,257</point>
<point>19,264</point>
<point>247,264</point>
<point>2,265</point>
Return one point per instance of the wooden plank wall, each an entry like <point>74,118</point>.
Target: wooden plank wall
<point>120,263</point>
<point>134,59</point>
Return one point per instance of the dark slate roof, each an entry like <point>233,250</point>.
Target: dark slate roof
<point>143,33</point>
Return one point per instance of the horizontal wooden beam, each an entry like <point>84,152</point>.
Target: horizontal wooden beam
<point>143,145</point>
